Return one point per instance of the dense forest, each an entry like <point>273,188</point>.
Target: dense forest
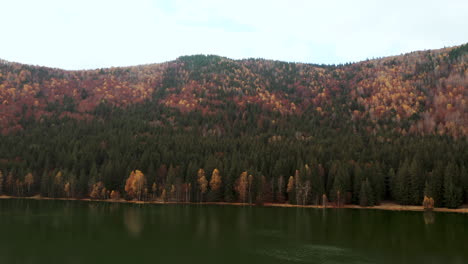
<point>210,129</point>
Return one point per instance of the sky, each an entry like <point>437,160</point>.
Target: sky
<point>89,34</point>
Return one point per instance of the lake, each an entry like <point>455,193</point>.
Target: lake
<point>33,231</point>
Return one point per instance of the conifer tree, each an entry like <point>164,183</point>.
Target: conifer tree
<point>366,196</point>
<point>1,182</point>
<point>452,189</point>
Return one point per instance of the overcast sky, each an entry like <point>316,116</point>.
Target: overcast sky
<point>87,34</point>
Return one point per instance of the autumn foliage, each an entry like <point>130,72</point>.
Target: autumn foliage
<point>135,184</point>
<point>425,89</point>
<point>428,203</point>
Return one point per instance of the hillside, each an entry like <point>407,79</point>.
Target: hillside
<point>386,129</point>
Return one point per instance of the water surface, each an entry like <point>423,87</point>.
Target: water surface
<point>33,231</point>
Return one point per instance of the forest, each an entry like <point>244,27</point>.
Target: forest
<point>210,129</point>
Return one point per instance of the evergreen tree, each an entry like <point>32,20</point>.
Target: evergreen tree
<point>366,195</point>
<point>452,189</point>
<point>416,183</point>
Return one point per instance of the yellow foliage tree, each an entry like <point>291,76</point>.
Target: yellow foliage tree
<point>135,184</point>
<point>29,181</point>
<point>67,189</point>
<point>202,183</point>
<point>428,203</point>
<point>215,185</point>
<point>215,182</point>
<point>241,187</point>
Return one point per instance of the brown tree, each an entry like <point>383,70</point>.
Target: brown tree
<point>290,188</point>
<point>115,195</point>
<point>135,184</point>
<point>97,190</point>
<point>67,189</point>
<point>428,203</point>
<point>241,187</point>
<point>324,200</point>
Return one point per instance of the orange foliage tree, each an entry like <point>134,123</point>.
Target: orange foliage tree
<point>98,191</point>
<point>215,184</point>
<point>241,187</point>
<point>135,184</point>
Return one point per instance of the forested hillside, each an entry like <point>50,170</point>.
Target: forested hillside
<point>207,128</point>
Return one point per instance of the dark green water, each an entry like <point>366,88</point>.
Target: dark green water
<point>88,232</point>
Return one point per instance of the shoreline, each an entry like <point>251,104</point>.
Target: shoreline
<point>387,206</point>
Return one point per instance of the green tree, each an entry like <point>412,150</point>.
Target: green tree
<point>452,189</point>
<point>366,195</point>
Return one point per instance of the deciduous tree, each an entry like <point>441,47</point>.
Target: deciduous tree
<point>241,187</point>
<point>29,181</point>
<point>215,185</point>
<point>135,184</point>
<point>202,183</point>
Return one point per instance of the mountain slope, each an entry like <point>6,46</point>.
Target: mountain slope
<point>421,92</point>
<point>207,128</point>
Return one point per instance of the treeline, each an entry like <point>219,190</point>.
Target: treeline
<point>149,152</point>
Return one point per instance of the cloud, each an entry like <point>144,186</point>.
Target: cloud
<point>93,34</point>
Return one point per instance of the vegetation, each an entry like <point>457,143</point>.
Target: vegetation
<point>206,128</point>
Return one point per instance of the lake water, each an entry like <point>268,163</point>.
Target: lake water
<point>34,231</point>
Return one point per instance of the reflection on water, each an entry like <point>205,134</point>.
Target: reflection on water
<point>91,232</point>
<point>133,221</point>
<point>429,217</point>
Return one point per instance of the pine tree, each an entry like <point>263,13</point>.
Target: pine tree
<point>452,190</point>
<point>340,185</point>
<point>415,183</point>
<point>402,184</point>
<point>45,184</point>
<point>366,195</point>
<point>378,183</point>
<point>392,184</point>
<point>464,180</point>
<point>436,184</point>
<point>1,182</point>
<point>357,182</point>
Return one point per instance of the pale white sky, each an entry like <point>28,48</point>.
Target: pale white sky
<point>83,34</point>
